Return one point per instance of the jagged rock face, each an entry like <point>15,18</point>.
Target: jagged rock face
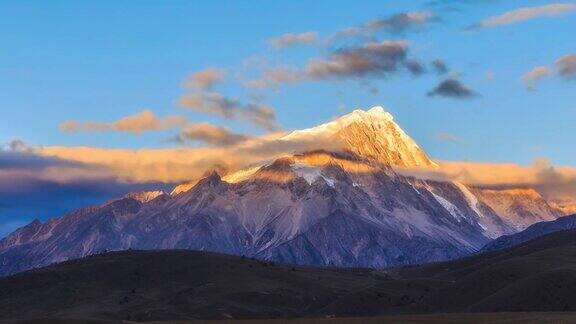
<point>144,196</point>
<point>183,187</point>
<point>317,208</point>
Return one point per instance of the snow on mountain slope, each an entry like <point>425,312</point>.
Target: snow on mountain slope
<point>144,196</point>
<point>519,208</point>
<point>457,199</point>
<point>566,205</point>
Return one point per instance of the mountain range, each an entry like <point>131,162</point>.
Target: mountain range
<point>343,206</point>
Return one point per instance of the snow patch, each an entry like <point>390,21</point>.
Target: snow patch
<point>241,175</point>
<point>470,198</point>
<point>311,173</point>
<point>450,207</point>
<point>329,181</point>
<point>483,226</point>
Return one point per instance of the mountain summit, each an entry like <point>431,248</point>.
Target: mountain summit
<point>346,207</point>
<point>372,134</point>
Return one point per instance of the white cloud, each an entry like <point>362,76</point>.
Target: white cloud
<point>532,77</point>
<point>205,79</point>
<point>291,39</point>
<point>527,13</point>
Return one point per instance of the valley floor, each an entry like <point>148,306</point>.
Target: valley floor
<point>468,318</point>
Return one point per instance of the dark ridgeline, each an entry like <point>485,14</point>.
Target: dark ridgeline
<point>534,231</point>
<point>537,276</point>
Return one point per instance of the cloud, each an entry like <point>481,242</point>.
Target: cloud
<point>217,104</point>
<point>415,67</point>
<point>182,164</point>
<point>141,122</point>
<point>18,156</point>
<point>399,23</point>
<point>447,137</point>
<point>261,116</point>
<point>402,22</point>
<point>205,79</point>
<point>350,32</point>
<point>64,178</point>
<point>527,13</point>
<point>211,103</point>
<point>452,88</point>
<point>362,62</point>
<point>17,145</point>
<point>532,77</point>
<point>171,165</point>
<point>275,77</point>
<point>289,40</point>
<point>439,67</point>
<point>551,181</point>
<point>368,60</point>
<point>209,134</point>
<point>33,185</point>
<point>566,66</point>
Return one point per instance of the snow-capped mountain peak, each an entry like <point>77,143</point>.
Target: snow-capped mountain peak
<point>376,113</point>
<point>371,134</point>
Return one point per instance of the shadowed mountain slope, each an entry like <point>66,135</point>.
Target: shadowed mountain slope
<point>534,231</point>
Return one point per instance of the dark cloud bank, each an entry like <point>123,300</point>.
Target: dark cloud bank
<point>24,195</point>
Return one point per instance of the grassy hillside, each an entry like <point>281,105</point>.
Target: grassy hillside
<point>538,276</point>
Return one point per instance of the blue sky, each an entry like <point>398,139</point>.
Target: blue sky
<point>107,59</point>
<point>101,61</point>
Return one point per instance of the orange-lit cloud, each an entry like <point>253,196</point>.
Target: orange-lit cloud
<point>186,163</point>
<point>275,77</point>
<point>552,181</point>
<point>205,79</point>
<point>182,164</point>
<point>532,77</point>
<point>141,122</point>
<point>217,104</point>
<point>210,134</point>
